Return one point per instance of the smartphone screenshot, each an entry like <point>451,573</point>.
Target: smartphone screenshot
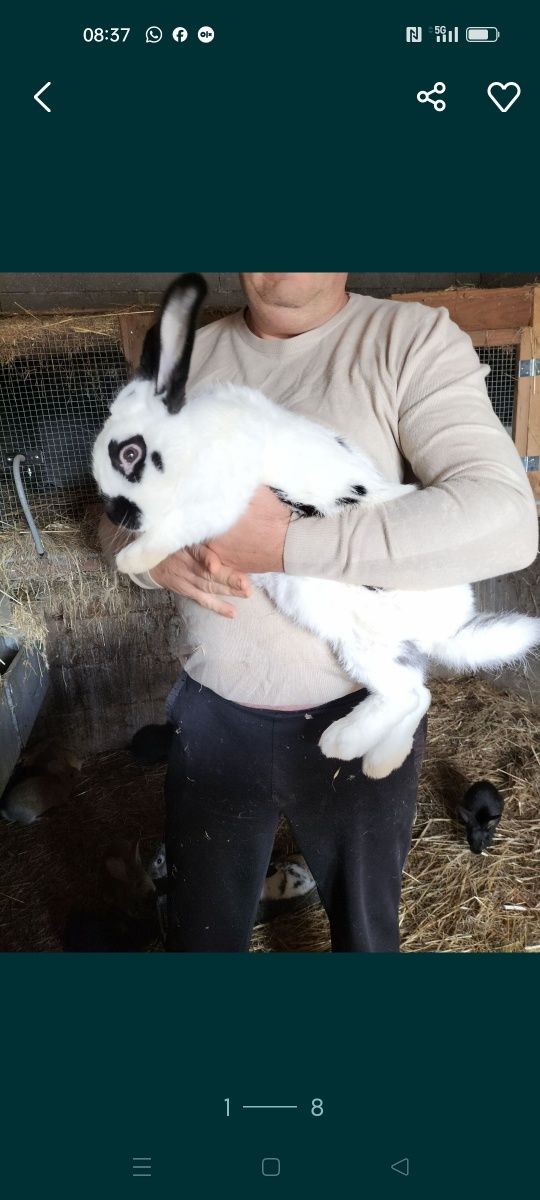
<point>269,601</point>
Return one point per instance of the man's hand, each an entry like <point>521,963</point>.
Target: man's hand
<point>255,544</point>
<point>257,541</point>
<point>200,575</point>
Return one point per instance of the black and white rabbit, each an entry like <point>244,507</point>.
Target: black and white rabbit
<point>163,463</point>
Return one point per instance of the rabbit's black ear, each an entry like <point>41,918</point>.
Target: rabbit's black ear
<point>176,329</point>
<point>149,364</point>
<point>465,815</point>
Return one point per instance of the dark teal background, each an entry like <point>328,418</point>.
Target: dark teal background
<point>430,1058</point>
<point>294,140</point>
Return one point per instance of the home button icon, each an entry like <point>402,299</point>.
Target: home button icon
<point>271,1166</point>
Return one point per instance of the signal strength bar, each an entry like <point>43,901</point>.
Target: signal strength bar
<point>443,34</point>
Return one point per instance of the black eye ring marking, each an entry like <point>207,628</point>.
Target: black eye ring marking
<point>129,457</point>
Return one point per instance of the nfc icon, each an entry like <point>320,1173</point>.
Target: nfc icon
<point>413,33</point>
<point>205,33</point>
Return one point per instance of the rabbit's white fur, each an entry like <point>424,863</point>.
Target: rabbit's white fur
<point>223,443</point>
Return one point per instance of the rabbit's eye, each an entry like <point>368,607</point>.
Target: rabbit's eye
<point>130,455</point>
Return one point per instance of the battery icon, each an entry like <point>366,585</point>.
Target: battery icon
<point>482,33</point>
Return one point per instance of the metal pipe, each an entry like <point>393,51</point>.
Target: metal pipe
<point>17,461</point>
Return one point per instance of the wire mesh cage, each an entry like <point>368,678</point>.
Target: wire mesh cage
<point>55,389</point>
<point>56,384</point>
<point>501,381</point>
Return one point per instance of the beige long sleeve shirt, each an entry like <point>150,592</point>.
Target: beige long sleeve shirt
<point>403,383</point>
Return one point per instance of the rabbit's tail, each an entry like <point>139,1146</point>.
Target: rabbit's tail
<point>489,640</point>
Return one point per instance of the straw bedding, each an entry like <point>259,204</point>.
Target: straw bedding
<point>453,901</point>
<point>72,574</point>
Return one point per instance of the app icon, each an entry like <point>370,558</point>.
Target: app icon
<point>427,97</point>
<point>154,33</point>
<point>205,33</point>
<point>180,34</point>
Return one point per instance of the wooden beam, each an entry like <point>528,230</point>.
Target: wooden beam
<point>522,398</point>
<point>533,443</point>
<point>495,337</point>
<point>477,308</point>
<point>133,327</point>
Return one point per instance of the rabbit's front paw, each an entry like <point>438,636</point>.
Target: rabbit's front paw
<point>134,559</point>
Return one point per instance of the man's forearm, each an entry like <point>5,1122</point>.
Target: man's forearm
<point>474,517</point>
<point>458,532</point>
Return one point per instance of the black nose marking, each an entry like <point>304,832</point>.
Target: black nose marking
<point>123,512</point>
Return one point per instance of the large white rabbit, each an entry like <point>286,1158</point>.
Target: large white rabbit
<point>182,469</point>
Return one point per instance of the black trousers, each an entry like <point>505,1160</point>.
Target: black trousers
<point>232,772</point>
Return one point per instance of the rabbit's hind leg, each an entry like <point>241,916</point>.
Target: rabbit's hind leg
<point>397,695</point>
<point>368,724</point>
<point>390,753</point>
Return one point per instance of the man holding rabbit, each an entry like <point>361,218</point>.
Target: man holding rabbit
<point>404,384</point>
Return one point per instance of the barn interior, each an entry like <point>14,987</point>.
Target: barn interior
<point>87,658</point>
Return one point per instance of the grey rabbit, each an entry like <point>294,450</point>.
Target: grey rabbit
<point>481,810</point>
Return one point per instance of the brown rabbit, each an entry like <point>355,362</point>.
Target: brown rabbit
<point>127,886</point>
<point>45,778</point>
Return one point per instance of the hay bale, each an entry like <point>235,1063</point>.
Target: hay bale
<point>29,333</point>
<point>111,648</point>
<point>72,577</point>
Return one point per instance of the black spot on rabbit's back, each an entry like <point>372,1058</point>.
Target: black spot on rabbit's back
<point>359,491</point>
<point>301,510</point>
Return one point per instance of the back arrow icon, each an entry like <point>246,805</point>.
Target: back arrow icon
<point>38,94</point>
<point>402,1167</point>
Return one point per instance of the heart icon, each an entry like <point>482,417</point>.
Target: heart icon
<point>505,102</point>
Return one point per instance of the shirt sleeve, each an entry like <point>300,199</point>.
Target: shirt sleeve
<point>475,515</point>
<point>145,581</point>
